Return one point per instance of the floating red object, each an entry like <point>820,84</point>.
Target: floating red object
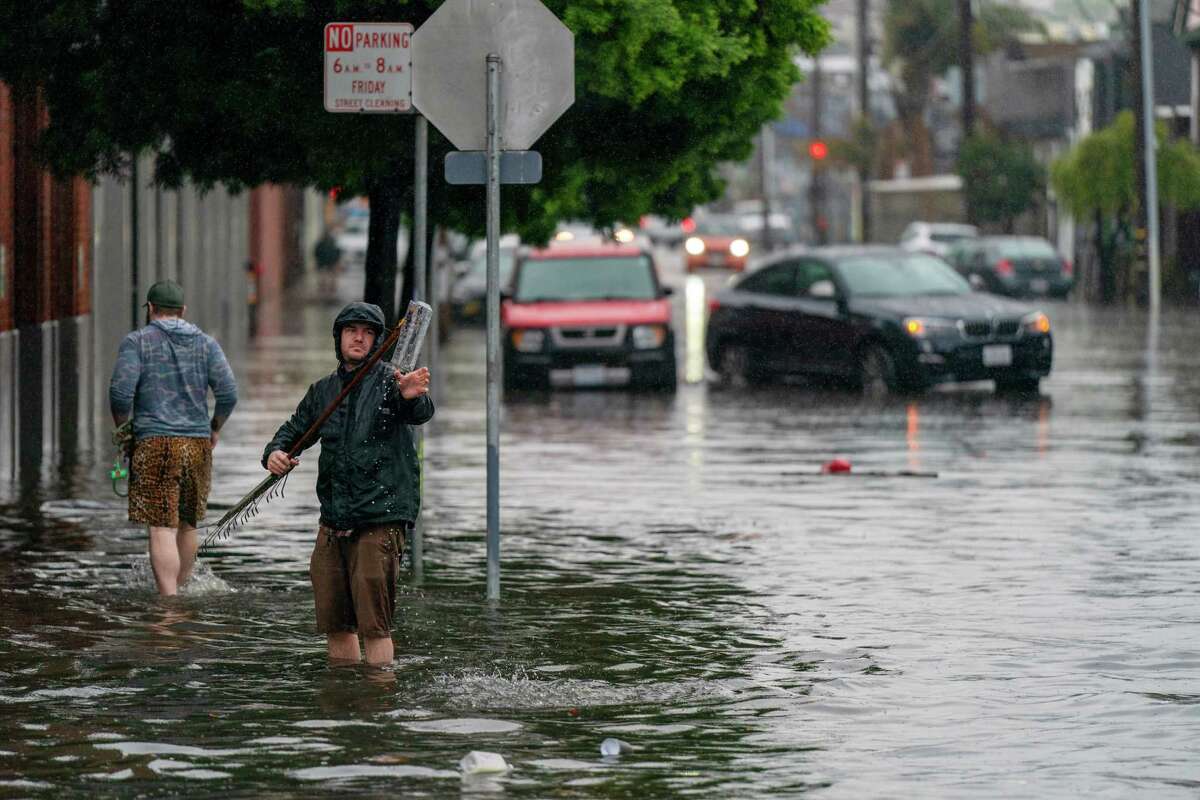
<point>836,465</point>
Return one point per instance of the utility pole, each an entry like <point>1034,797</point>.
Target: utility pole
<point>1146,255</point>
<point>766,146</point>
<point>816,187</point>
<point>966,60</point>
<point>864,109</point>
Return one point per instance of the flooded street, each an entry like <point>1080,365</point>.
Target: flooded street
<point>676,573</point>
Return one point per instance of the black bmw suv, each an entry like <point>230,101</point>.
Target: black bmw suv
<point>884,318</point>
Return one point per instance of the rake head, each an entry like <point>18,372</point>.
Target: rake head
<point>247,508</point>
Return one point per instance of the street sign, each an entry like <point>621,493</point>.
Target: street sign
<point>469,167</point>
<point>368,67</point>
<point>537,79</point>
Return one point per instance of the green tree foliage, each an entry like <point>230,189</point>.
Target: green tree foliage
<point>230,91</point>
<point>1095,179</point>
<point>920,42</point>
<point>1001,179</point>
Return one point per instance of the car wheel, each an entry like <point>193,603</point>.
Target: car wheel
<point>734,366</point>
<point>877,372</point>
<point>1022,385</point>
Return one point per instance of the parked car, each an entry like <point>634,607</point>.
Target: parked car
<point>1015,265</point>
<point>469,292</point>
<point>783,232</point>
<point>716,242</point>
<point>880,317</point>
<point>587,315</point>
<point>663,232</point>
<point>352,240</point>
<point>935,238</point>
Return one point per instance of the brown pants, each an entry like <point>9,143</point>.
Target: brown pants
<point>354,579</point>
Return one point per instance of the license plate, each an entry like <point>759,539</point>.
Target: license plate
<point>997,355</point>
<point>1039,285</point>
<point>588,375</point>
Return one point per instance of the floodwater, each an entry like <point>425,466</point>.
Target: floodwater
<point>676,574</point>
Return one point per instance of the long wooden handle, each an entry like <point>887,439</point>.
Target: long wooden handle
<point>361,371</point>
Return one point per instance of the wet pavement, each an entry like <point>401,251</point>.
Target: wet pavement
<point>676,574</point>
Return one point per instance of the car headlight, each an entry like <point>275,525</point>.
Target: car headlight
<point>922,327</point>
<point>694,245</point>
<point>528,340</point>
<point>739,248</point>
<point>1037,323</point>
<point>648,336</point>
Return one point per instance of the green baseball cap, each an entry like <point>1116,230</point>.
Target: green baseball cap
<point>166,294</point>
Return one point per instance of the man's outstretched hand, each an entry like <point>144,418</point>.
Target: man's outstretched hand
<point>413,384</point>
<point>279,463</point>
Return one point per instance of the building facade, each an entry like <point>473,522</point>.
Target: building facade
<point>76,261</point>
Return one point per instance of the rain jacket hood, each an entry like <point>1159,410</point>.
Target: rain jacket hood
<point>358,312</point>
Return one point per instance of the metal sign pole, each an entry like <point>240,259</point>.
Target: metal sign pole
<point>420,259</point>
<point>1151,151</point>
<point>493,327</point>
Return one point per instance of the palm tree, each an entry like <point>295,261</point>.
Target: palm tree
<point>921,42</point>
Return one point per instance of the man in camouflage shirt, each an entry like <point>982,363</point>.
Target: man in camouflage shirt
<point>162,377</point>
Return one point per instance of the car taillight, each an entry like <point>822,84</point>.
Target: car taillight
<point>713,305</point>
<point>1068,268</point>
<point>1004,267</point>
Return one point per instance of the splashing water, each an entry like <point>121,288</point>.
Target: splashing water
<point>203,582</point>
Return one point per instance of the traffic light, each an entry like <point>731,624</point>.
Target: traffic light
<point>818,150</point>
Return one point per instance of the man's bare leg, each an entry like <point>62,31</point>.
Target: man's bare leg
<point>343,646</point>
<point>164,559</point>
<point>380,650</point>
<point>188,543</point>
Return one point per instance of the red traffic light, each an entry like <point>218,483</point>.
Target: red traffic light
<point>818,150</point>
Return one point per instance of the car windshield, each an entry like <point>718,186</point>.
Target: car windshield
<point>606,278</point>
<point>1026,248</point>
<point>899,276</point>
<point>479,265</point>
<point>949,237</point>
<point>717,226</point>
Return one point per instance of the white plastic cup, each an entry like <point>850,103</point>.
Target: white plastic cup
<point>615,747</point>
<point>479,762</point>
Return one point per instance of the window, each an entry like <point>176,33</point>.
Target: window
<point>777,279</point>
<point>899,276</point>
<point>586,278</point>
<point>814,274</point>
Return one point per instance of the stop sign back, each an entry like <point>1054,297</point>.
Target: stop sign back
<point>537,75</point>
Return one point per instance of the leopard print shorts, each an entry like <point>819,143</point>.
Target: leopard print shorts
<point>169,481</point>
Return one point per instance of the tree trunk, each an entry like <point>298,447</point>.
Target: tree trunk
<point>911,104</point>
<point>1104,254</point>
<point>385,197</point>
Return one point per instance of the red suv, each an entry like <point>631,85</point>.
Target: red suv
<point>587,315</point>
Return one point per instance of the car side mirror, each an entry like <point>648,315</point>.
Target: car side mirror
<point>667,291</point>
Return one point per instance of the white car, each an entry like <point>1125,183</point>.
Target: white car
<point>352,241</point>
<point>935,238</point>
